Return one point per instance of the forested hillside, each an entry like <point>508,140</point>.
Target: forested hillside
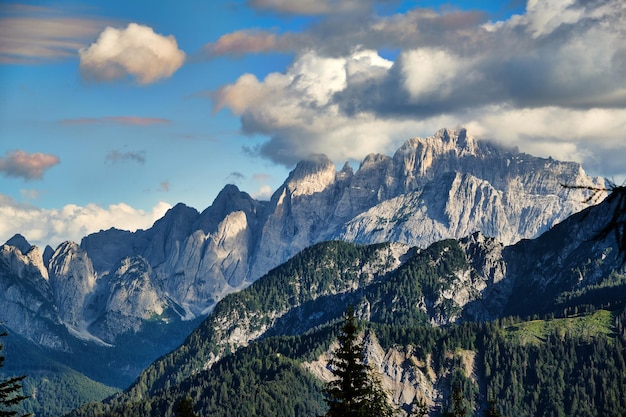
<point>552,367</point>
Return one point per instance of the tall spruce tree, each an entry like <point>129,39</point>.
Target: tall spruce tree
<point>458,404</point>
<point>9,390</point>
<point>184,408</point>
<point>357,391</point>
<point>492,411</point>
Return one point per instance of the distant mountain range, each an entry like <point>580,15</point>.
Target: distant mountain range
<point>118,290</point>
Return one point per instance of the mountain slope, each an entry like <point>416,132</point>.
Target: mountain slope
<point>282,376</point>
<point>470,279</point>
<point>53,388</point>
<point>148,286</point>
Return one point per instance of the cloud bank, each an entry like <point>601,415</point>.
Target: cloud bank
<point>136,51</point>
<point>29,166</point>
<point>42,227</point>
<point>33,34</point>
<point>551,81</point>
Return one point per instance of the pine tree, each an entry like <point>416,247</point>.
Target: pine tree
<point>492,411</point>
<point>357,392</point>
<point>184,408</point>
<point>458,403</point>
<point>9,389</point>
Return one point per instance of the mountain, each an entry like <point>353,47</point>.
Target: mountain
<point>118,289</point>
<point>572,279</point>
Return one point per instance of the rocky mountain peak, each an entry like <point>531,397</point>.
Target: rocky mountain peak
<point>228,200</point>
<point>455,137</point>
<point>420,156</point>
<point>346,172</point>
<point>311,176</point>
<point>445,186</point>
<point>178,215</point>
<point>372,160</point>
<point>19,242</point>
<point>169,232</point>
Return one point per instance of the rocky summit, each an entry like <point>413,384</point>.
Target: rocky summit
<point>116,282</point>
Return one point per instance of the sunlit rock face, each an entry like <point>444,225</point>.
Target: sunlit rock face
<point>72,279</point>
<point>26,298</point>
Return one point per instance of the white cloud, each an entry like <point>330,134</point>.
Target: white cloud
<point>594,137</point>
<point>263,193</point>
<point>72,222</point>
<point>544,16</point>
<point>297,110</point>
<point>429,72</point>
<point>136,51</point>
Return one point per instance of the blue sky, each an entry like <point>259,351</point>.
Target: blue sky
<point>113,111</point>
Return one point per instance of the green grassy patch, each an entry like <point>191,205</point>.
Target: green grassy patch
<point>590,326</point>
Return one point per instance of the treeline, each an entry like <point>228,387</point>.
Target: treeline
<point>263,379</point>
<point>565,373</point>
<point>563,376</point>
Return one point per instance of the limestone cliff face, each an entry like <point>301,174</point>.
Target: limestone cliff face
<point>131,299</point>
<point>72,280</point>
<point>450,185</point>
<point>299,212</point>
<point>26,297</point>
<point>406,377</point>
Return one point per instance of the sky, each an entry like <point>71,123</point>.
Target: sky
<point>111,112</point>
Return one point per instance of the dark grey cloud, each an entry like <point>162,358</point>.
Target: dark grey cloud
<point>115,156</point>
<point>235,176</point>
<point>575,64</point>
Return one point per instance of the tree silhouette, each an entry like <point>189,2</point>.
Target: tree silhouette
<point>184,408</point>
<point>357,392</point>
<point>9,390</point>
<point>458,407</point>
<point>492,411</point>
